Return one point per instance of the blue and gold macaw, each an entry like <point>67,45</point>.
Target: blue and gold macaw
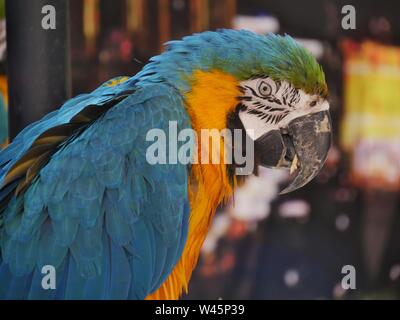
<point>77,192</point>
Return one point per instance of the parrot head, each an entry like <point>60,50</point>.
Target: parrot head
<point>268,85</point>
<point>290,127</point>
<point>285,106</point>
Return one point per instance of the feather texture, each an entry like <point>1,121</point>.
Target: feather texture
<point>86,210</point>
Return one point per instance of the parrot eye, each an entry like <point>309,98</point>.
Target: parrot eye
<point>264,89</point>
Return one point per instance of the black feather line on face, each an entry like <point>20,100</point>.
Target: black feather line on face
<point>256,112</point>
<point>241,89</point>
<point>277,109</point>
<point>294,95</point>
<point>284,99</point>
<point>253,92</point>
<point>245,98</point>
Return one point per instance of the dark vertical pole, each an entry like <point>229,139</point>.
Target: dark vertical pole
<point>38,60</point>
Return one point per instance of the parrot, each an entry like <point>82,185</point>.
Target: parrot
<point>84,214</point>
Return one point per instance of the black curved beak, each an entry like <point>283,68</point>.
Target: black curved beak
<point>306,140</point>
<point>311,136</point>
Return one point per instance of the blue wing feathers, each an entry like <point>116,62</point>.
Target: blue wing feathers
<point>111,224</point>
<point>141,263</point>
<point>51,252</point>
<point>117,227</point>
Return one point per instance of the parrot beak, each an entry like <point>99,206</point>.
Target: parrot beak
<point>311,136</point>
<point>303,144</point>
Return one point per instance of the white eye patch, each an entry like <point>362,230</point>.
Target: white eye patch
<point>270,105</point>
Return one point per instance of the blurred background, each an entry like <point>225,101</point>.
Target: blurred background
<point>262,246</point>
